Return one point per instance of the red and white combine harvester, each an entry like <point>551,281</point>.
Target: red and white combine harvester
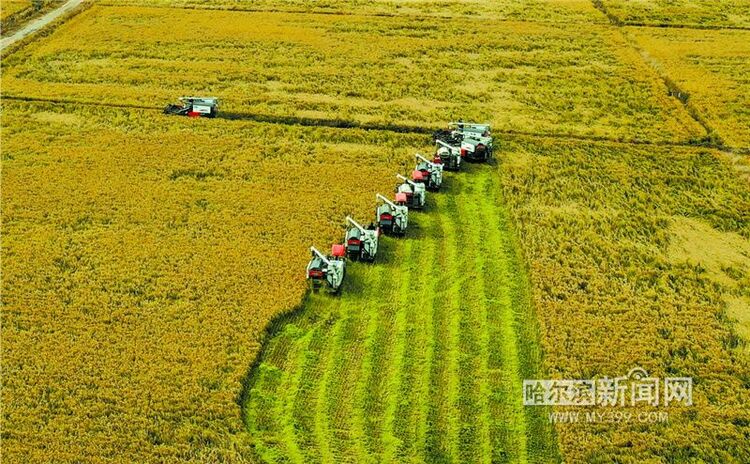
<point>430,173</point>
<point>460,141</point>
<point>474,141</point>
<point>195,107</point>
<point>415,192</point>
<point>392,218</point>
<point>449,155</point>
<point>327,271</point>
<point>361,243</point>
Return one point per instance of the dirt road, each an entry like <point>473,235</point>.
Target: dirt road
<point>39,23</point>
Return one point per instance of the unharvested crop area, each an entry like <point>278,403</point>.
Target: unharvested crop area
<point>702,13</point>
<point>712,68</point>
<point>560,79</point>
<point>9,8</point>
<point>144,256</point>
<point>537,10</point>
<point>15,13</point>
<point>639,257</point>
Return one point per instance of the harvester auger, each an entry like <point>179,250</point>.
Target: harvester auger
<point>449,155</point>
<point>474,140</point>
<point>327,271</point>
<point>415,192</point>
<point>361,243</point>
<point>195,107</point>
<point>431,173</point>
<point>392,218</point>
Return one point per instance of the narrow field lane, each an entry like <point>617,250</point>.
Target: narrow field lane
<point>38,23</point>
<point>421,359</point>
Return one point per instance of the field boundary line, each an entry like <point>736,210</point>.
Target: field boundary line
<point>395,128</point>
<point>599,5</point>
<point>677,92</point>
<point>706,27</point>
<point>713,137</point>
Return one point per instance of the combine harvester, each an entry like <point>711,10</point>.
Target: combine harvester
<point>461,140</point>
<point>431,173</point>
<point>327,271</point>
<point>473,141</point>
<point>392,218</point>
<point>416,194</point>
<point>448,155</point>
<point>361,243</point>
<point>195,107</point>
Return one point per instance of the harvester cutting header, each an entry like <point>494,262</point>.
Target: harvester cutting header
<point>460,141</point>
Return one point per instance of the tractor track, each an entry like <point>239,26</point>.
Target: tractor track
<point>713,138</point>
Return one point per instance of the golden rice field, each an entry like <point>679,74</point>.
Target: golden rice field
<point>704,13</point>
<point>142,259</point>
<point>420,74</point>
<point>639,256</point>
<point>536,10</point>
<point>16,13</point>
<point>11,7</point>
<point>712,68</point>
<point>153,297</point>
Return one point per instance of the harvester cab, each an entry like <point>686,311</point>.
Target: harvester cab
<point>450,155</point>
<point>415,192</point>
<point>361,242</point>
<point>392,218</point>
<point>327,271</point>
<point>475,140</point>
<point>195,107</point>
<point>431,173</point>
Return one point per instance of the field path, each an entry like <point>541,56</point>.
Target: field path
<point>421,359</point>
<point>39,23</point>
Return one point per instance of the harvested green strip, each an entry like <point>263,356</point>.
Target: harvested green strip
<point>381,356</point>
<point>421,358</point>
<point>412,409</point>
<point>331,329</point>
<point>308,394</point>
<point>474,327</point>
<point>508,430</point>
<point>340,391</point>
<point>382,289</point>
<point>442,434</point>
